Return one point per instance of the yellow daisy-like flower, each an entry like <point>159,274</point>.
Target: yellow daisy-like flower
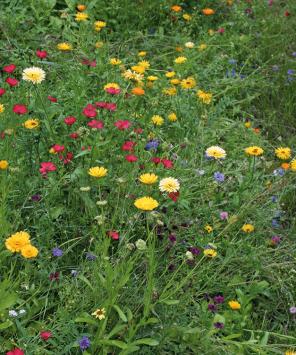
<point>235,305</point>
<point>170,74</point>
<point>139,69</point>
<point>99,44</point>
<point>111,85</point>
<point>215,152</point>
<point>99,313</point>
<point>29,251</point>
<point>34,74</point>
<point>157,120</point>
<point>144,63</point>
<point>172,91</point>
<point>115,61</point>
<point>64,46</point>
<point>188,83</point>
<point>148,178</point>
<point>17,241</point>
<point>142,54</point>
<point>3,164</point>
<point>202,47</point>
<point>211,32</point>
<point>210,253</point>
<point>254,151</point>
<point>131,75</point>
<point>248,228</point>
<point>180,60</point>
<point>169,185</point>
<point>98,25</point>
<point>283,153</point>
<point>175,81</point>
<point>146,203</point>
<point>205,97</point>
<point>290,352</point>
<point>293,165</point>
<point>97,171</point>
<point>208,228</point>
<point>152,78</point>
<point>81,16</point>
<point>2,108</point>
<point>31,123</point>
<point>248,124</point>
<point>172,117</point>
<point>187,17</point>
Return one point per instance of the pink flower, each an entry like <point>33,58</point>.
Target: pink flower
<point>58,148</point>
<point>131,158</point>
<point>128,145</point>
<point>90,63</point>
<point>111,106</point>
<point>2,91</point>
<point>223,215</point>
<point>16,351</point>
<point>101,104</point>
<point>74,135</point>
<point>69,120</point>
<point>113,234</point>
<point>122,124</point>
<point>89,111</point>
<point>12,81</point>
<point>9,68</point>
<point>41,54</point>
<point>67,159</point>
<point>113,91</point>
<point>168,164</point>
<point>221,30</point>
<point>19,109</point>
<point>47,167</point>
<point>45,335</point>
<point>96,124</point>
<point>52,99</point>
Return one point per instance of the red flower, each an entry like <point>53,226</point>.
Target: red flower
<point>52,99</point>
<point>2,91</point>
<point>113,234</point>
<point>131,158</point>
<point>58,148</point>
<point>90,63</point>
<point>156,160</point>
<point>9,68</point>
<point>16,351</point>
<point>41,54</point>
<point>101,104</point>
<point>69,120</point>
<point>96,124</point>
<point>174,196</point>
<point>45,335</point>
<point>111,106</point>
<point>67,159</point>
<point>221,30</point>
<point>20,109</point>
<point>47,167</point>
<point>138,130</point>
<point>128,145</point>
<point>74,135</point>
<point>287,13</point>
<point>122,124</point>
<point>89,111</point>
<point>168,164</point>
<point>54,276</point>
<point>113,91</point>
<point>12,81</point>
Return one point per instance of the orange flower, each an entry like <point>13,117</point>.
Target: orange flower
<point>138,91</point>
<point>207,11</point>
<point>81,7</point>
<point>285,166</point>
<point>256,130</point>
<point>176,8</point>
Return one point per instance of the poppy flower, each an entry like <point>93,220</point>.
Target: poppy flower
<point>19,109</point>
<point>9,68</point>
<point>156,160</point>
<point>128,146</point>
<point>131,158</point>
<point>45,335</point>
<point>46,167</point>
<point>16,351</point>
<point>52,99</point>
<point>122,124</point>
<point>2,91</point>
<point>69,120</point>
<point>113,234</point>
<point>174,196</point>
<point>168,164</point>
<point>96,124</point>
<point>41,54</point>
<point>12,81</point>
<point>89,111</point>
<point>58,148</point>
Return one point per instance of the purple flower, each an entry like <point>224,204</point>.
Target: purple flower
<point>172,238</point>
<point>152,145</point>
<point>273,198</point>
<point>223,215</point>
<point>218,299</point>
<point>275,223</point>
<point>219,177</point>
<point>36,198</point>
<point>90,256</point>
<point>212,307</point>
<point>275,240</point>
<point>291,72</point>
<point>232,61</point>
<point>57,252</point>
<point>292,310</point>
<point>219,325</point>
<point>294,54</point>
<point>84,343</point>
<point>194,251</point>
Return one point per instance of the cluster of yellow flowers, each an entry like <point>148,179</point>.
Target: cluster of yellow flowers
<point>20,243</point>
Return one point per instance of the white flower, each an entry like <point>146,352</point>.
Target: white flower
<point>169,185</point>
<point>34,74</point>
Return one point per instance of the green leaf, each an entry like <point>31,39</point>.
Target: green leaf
<point>6,324</point>
<point>146,341</point>
<point>85,280</point>
<point>170,302</point>
<point>120,313</point>
<point>232,336</point>
<point>85,318</point>
<point>264,339</point>
<point>117,343</point>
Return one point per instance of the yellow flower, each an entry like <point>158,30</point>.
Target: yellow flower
<point>211,32</point>
<point>170,91</point>
<point>29,251</point>
<point>254,150</point>
<point>248,124</point>
<point>31,123</point>
<point>189,45</point>
<point>179,49</point>
<point>152,78</point>
<point>99,313</point>
<point>145,64</point>
<point>98,25</point>
<point>81,16</point>
<point>17,241</point>
<point>3,164</point>
<point>175,81</point>
<point>290,352</point>
<point>180,60</point>
<point>97,171</point>
<point>208,228</point>
<point>169,185</point>
<point>64,46</point>
<point>202,47</point>
<point>293,165</point>
<point>283,153</point>
<point>210,253</point>
<point>115,61</point>
<point>111,85</point>
<point>205,97</point>
<point>215,152</point>
<point>187,17</point>
<point>188,83</point>
<point>157,120</point>
<point>172,117</point>
<point>170,74</point>
<point>2,108</point>
<point>248,228</point>
<point>34,75</point>
<point>99,44</point>
<point>235,305</point>
<point>146,203</point>
<point>148,178</point>
<point>142,54</point>
<point>138,69</point>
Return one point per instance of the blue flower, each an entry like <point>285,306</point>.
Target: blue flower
<point>152,145</point>
<point>57,252</point>
<point>84,343</point>
<point>219,177</point>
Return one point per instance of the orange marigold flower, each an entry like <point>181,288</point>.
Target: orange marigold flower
<point>207,11</point>
<point>138,91</point>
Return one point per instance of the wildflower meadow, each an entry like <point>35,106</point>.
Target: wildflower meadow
<point>147,177</point>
